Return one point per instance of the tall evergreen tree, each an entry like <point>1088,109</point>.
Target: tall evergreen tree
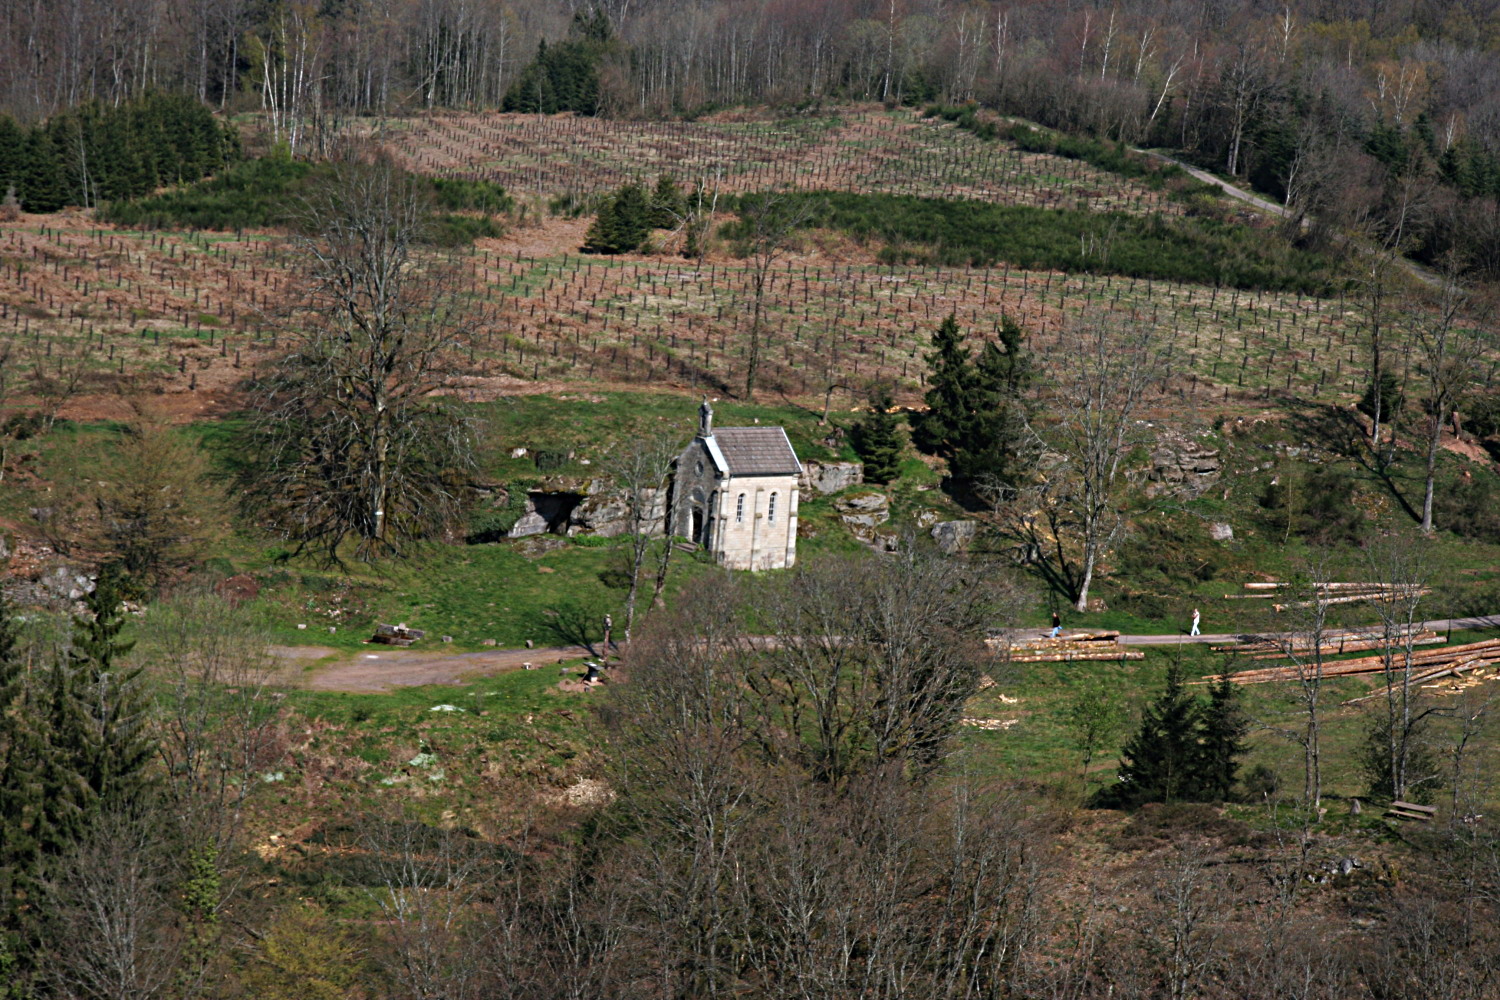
<point>668,204</point>
<point>941,430</point>
<point>22,754</point>
<point>1185,750</point>
<point>41,186</point>
<point>622,224</point>
<point>1222,727</point>
<point>976,409</point>
<point>877,437</point>
<point>98,748</point>
<point>13,153</point>
<point>1160,761</point>
<point>998,441</point>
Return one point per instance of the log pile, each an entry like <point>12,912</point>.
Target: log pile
<point>1068,646</point>
<point>1332,642</point>
<point>1426,665</point>
<point>1330,593</point>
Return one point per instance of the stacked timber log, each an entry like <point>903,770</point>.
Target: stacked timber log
<point>1333,642</point>
<point>1426,665</point>
<point>1068,646</point>
<point>1329,593</point>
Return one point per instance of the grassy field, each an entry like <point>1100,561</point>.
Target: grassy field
<point>1037,745</point>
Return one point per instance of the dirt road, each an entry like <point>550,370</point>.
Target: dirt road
<point>379,669</point>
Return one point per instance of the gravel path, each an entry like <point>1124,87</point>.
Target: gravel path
<point>378,669</point>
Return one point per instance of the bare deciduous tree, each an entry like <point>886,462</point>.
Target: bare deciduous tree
<point>1304,644</point>
<point>640,469</point>
<point>352,439</point>
<point>115,930</point>
<point>430,883</point>
<point>1450,347</point>
<point>767,224</point>
<point>872,662</point>
<point>1103,368</point>
<point>1402,564</point>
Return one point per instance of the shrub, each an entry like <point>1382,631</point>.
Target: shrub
<point>491,524</point>
<point>622,223</point>
<point>459,195</point>
<point>1470,507</point>
<point>549,461</point>
<point>1261,783</point>
<point>957,232</point>
<point>264,193</point>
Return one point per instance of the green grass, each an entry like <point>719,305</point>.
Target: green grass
<point>588,424</point>
<point>504,591</point>
<point>1039,748</point>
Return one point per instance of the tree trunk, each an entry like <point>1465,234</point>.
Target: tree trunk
<point>1090,556</point>
<point>1434,441</point>
<point>753,362</point>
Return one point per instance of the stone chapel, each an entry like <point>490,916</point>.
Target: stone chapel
<point>735,493</point>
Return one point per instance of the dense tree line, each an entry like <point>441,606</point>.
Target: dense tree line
<point>564,77</point>
<point>99,153</point>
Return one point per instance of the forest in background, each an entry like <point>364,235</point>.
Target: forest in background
<point>1382,116</point>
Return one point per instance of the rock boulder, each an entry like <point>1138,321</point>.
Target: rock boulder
<point>954,536</point>
<point>863,512</point>
<point>831,477</point>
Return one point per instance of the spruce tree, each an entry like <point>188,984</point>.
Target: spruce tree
<point>13,153</point>
<point>622,223</point>
<point>877,437</point>
<point>942,429</point>
<point>115,708</point>
<point>1222,727</point>
<point>667,204</point>
<point>977,415</point>
<point>21,798</point>
<point>42,177</point>
<point>600,237</point>
<point>96,712</point>
<point>997,440</point>
<point>1159,763</point>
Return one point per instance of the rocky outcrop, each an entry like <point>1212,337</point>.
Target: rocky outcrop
<point>954,536</point>
<point>1180,463</point>
<point>831,477</point>
<point>58,586</point>
<point>863,512</point>
<point>1219,531</point>
<point>588,507</point>
<point>607,514</point>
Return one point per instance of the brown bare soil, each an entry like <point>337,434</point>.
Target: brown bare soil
<point>856,148</point>
<point>381,668</point>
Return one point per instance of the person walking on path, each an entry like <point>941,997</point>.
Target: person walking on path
<point>1056,626</point>
<point>1196,619</point>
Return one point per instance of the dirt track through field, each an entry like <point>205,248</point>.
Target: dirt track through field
<point>379,669</point>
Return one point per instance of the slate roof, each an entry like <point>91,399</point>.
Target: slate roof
<point>756,451</point>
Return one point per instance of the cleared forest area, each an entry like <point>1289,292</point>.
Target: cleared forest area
<point>196,310</point>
